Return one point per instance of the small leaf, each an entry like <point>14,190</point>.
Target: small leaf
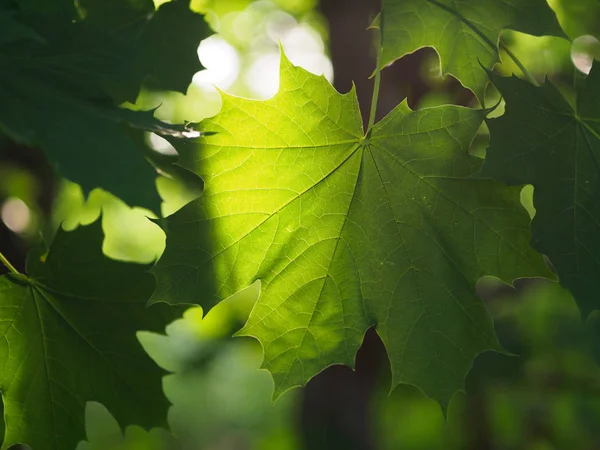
<point>464,33</point>
<point>87,142</point>
<point>347,232</point>
<point>69,336</point>
<point>170,59</point>
<point>541,140</point>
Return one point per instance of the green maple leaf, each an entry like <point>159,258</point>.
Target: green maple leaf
<point>52,100</point>
<point>69,336</point>
<point>54,82</point>
<point>168,51</point>
<point>542,140</point>
<point>347,232</point>
<point>160,49</point>
<point>88,142</point>
<point>464,33</point>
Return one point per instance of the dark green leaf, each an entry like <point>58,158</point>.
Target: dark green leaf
<point>542,140</point>
<point>347,232</point>
<point>52,97</point>
<point>168,51</point>
<point>88,142</point>
<point>69,336</point>
<point>465,33</point>
<point>164,52</point>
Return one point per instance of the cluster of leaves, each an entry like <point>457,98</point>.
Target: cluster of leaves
<point>64,68</point>
<point>347,228</point>
<point>68,328</point>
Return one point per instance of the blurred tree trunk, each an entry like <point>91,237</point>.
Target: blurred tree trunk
<point>352,46</point>
<point>336,403</point>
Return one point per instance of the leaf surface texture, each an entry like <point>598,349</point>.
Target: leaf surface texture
<point>464,33</point>
<point>347,232</point>
<point>68,336</point>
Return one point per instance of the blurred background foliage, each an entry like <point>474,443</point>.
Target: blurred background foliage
<point>547,397</point>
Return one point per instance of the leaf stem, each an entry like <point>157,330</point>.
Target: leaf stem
<point>519,64</point>
<point>377,85</point>
<point>8,265</point>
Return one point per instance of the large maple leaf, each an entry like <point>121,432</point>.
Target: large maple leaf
<point>464,33</point>
<point>69,336</point>
<point>347,232</point>
<point>544,141</point>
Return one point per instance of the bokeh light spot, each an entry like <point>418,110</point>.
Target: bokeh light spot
<point>584,50</point>
<point>302,45</point>
<point>160,144</point>
<point>221,61</point>
<point>15,215</point>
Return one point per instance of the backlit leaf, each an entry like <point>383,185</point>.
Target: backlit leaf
<point>347,232</point>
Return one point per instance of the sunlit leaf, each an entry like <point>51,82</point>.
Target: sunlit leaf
<point>347,232</point>
<point>160,49</point>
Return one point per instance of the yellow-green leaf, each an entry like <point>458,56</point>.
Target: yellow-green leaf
<point>347,232</point>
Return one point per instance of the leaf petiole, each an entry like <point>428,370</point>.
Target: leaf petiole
<point>8,265</point>
<point>377,85</point>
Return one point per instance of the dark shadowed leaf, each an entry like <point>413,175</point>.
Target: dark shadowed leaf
<point>159,49</point>
<point>52,96</point>
<point>65,8</point>
<point>542,140</point>
<point>69,336</point>
<point>465,33</point>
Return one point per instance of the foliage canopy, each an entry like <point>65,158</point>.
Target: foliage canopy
<point>389,227</point>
